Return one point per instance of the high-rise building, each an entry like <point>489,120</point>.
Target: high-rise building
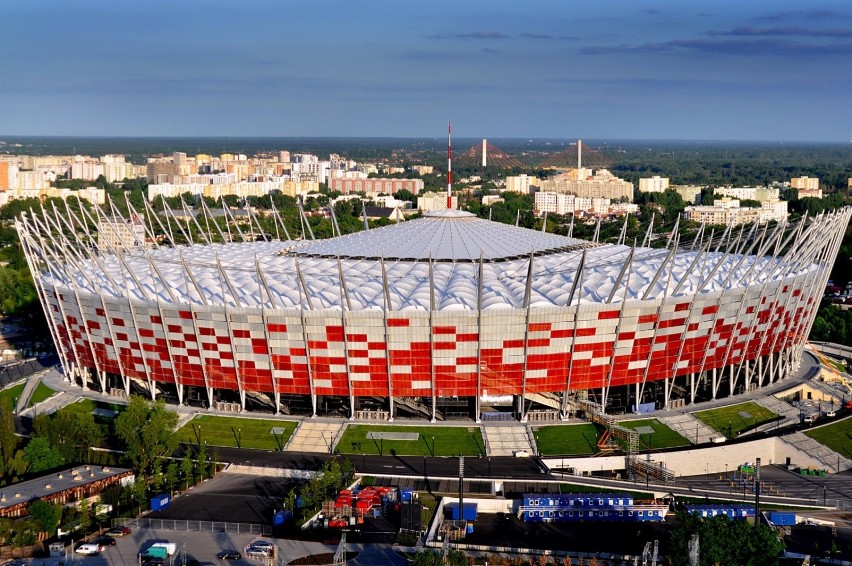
<point>655,184</point>
<point>602,184</point>
<point>808,183</point>
<point>376,185</point>
<point>520,184</point>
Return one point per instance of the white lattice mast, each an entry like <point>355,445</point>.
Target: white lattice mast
<point>449,165</point>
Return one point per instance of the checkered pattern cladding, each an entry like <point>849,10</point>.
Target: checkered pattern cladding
<point>409,354</point>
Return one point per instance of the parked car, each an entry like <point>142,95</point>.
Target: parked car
<point>104,541</point>
<point>262,544</point>
<point>229,555</point>
<point>258,552</point>
<point>119,531</point>
<point>88,549</point>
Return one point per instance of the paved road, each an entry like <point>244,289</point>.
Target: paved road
<point>204,546</point>
<point>503,467</point>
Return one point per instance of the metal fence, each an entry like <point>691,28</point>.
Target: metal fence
<point>196,526</point>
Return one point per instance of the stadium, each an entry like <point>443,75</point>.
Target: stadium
<point>445,316</point>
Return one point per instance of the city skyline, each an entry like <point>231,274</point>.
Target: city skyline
<point>625,70</point>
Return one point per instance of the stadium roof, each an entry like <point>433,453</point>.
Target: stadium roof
<point>390,268</point>
<point>445,235</point>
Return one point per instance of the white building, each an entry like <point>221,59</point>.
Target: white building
<point>561,203</point>
<point>86,168</point>
<point>118,234</point>
<point>729,212</point>
<point>689,193</point>
<point>520,184</point>
<point>435,201</point>
<point>760,194</point>
<point>602,184</point>
<point>655,184</point>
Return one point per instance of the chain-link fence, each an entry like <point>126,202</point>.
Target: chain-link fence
<point>196,526</point>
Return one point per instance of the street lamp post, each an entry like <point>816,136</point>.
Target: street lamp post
<point>239,437</point>
<point>433,446</point>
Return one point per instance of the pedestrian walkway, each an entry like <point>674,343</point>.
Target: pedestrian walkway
<point>315,436</point>
<point>29,388</point>
<point>506,439</point>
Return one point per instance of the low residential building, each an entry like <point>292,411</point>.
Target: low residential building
<point>729,212</point>
<point>810,193</point>
<point>68,486</point>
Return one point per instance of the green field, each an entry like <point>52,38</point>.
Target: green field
<point>41,393</point>
<point>236,432</point>
<point>837,436</point>
<point>566,440</point>
<point>730,422</point>
<point>663,436</point>
<point>10,395</point>
<point>431,441</point>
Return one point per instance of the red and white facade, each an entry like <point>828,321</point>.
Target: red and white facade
<point>448,307</point>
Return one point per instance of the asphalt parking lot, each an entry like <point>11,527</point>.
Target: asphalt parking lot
<point>233,498</point>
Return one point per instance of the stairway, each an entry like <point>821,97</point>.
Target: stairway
<point>506,439</point>
<point>690,428</point>
<point>825,455</point>
<point>314,436</point>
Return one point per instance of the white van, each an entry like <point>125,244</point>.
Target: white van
<point>88,549</point>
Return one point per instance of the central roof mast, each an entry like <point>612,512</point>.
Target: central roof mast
<point>449,165</point>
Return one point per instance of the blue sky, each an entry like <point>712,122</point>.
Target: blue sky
<point>726,70</point>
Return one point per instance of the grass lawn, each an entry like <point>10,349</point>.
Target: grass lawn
<point>236,432</point>
<point>431,441</point>
<point>9,395</point>
<point>566,440</point>
<point>837,436</point>
<point>663,436</point>
<point>729,421</point>
<point>41,393</point>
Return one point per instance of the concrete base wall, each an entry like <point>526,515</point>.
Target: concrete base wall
<point>699,461</point>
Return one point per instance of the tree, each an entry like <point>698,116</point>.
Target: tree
<point>85,516</point>
<point>147,432</point>
<point>171,476</point>
<point>46,515</point>
<point>42,456</point>
<point>186,469</point>
<point>72,434</point>
<point>724,541</point>
<point>8,439</point>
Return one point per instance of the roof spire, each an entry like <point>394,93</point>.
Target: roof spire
<point>449,165</point>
